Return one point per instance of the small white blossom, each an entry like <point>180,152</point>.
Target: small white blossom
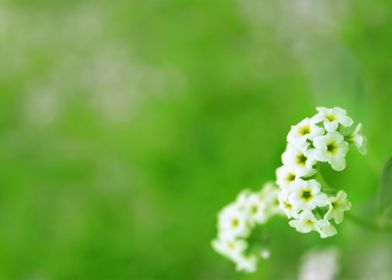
<point>242,199</point>
<point>337,206</point>
<point>332,117</point>
<point>306,195</point>
<point>359,140</point>
<point>300,160</point>
<point>307,129</point>
<point>269,195</point>
<point>232,221</point>
<point>285,176</point>
<point>286,206</point>
<point>305,223</point>
<point>331,148</point>
<point>229,247</point>
<point>325,228</point>
<point>256,209</point>
<point>265,254</point>
<point>246,263</point>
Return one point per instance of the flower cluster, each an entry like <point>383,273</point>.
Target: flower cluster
<point>236,221</point>
<point>313,140</point>
<point>299,192</point>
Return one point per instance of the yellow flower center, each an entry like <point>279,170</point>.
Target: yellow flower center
<point>309,222</point>
<point>307,195</point>
<point>287,205</point>
<point>301,159</point>
<point>332,147</point>
<point>330,117</point>
<point>235,223</point>
<point>231,245</point>
<point>290,177</point>
<point>304,130</point>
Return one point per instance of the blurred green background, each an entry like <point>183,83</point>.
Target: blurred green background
<point>127,125</point>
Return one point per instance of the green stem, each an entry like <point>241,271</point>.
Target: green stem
<point>323,182</point>
<point>373,225</point>
<point>379,224</point>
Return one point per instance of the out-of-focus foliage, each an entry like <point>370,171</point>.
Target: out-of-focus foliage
<point>127,125</point>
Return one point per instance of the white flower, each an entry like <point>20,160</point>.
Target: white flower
<point>300,133</point>
<point>305,223</point>
<point>320,265</point>
<point>332,117</point>
<point>269,195</point>
<point>285,176</point>
<point>300,160</point>
<point>232,221</point>
<point>337,206</point>
<point>331,148</point>
<point>228,246</point>
<point>358,139</point>
<point>306,195</point>
<point>325,228</point>
<point>286,206</point>
<point>256,209</point>
<point>265,254</point>
<point>246,263</point>
<point>242,199</point>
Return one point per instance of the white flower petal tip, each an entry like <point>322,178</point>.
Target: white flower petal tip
<point>359,139</point>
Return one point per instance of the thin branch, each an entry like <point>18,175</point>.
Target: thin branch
<point>377,226</point>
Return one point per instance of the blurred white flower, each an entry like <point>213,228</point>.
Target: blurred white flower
<point>331,148</point>
<point>228,246</point>
<point>256,209</point>
<point>337,206</point>
<point>233,221</point>
<point>306,195</point>
<point>269,195</point>
<point>246,264</point>
<point>236,221</point>
<point>332,117</point>
<point>242,199</point>
<point>319,265</point>
<point>359,140</point>
<point>265,254</point>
